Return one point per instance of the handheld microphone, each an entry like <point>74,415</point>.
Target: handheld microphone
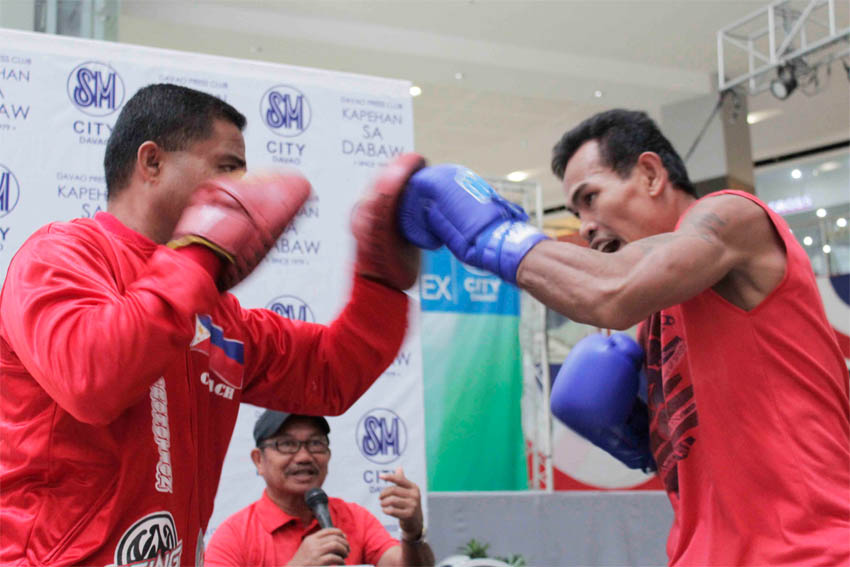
<point>317,500</point>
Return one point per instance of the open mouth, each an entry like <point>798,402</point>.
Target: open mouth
<point>610,246</point>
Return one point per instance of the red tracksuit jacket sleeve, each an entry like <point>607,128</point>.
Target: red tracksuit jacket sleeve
<point>94,344</point>
<point>316,369</point>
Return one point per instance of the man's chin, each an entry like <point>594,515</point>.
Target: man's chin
<point>304,483</point>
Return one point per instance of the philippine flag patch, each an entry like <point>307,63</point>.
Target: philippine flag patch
<point>227,356</point>
<point>202,335</point>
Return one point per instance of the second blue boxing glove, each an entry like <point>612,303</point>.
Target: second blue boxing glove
<point>596,394</point>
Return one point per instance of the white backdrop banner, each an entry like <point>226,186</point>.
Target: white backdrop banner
<point>59,99</point>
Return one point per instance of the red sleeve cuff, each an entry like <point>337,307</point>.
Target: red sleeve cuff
<point>205,257</point>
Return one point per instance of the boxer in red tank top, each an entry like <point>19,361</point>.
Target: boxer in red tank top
<point>747,389</point>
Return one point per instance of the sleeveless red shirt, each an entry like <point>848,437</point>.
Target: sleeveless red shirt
<point>749,424</point>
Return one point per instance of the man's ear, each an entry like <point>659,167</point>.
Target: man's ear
<point>654,172</point>
<point>149,161</point>
<point>257,457</point>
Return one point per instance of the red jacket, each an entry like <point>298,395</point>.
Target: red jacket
<point>122,372</point>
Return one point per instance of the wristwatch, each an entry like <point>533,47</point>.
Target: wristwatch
<point>417,541</point>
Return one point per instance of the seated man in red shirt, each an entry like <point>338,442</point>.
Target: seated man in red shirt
<point>292,456</point>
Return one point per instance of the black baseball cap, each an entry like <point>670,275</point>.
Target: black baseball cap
<point>271,421</point>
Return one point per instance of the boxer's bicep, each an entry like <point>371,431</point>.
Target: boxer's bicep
<point>673,267</point>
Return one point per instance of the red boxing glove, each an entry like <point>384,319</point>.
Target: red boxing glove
<point>383,253</point>
<point>241,219</point>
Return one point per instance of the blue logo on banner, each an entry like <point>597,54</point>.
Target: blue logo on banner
<point>381,436</point>
<point>449,285</point>
<point>10,191</point>
<point>95,88</point>
<point>292,307</point>
<point>285,110</point>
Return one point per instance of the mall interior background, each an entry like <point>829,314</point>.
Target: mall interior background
<point>499,82</point>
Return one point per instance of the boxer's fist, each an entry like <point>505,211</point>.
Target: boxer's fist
<point>382,252</point>
<point>241,219</point>
<point>596,395</point>
<point>598,381</point>
<point>449,204</point>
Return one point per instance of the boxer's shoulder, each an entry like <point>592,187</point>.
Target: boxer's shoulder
<point>63,232</point>
<point>728,219</point>
<point>749,239</point>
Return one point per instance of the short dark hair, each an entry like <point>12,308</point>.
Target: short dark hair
<point>170,115</point>
<point>622,136</point>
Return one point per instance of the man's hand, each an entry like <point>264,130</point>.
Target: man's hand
<point>325,547</point>
<point>382,252</point>
<point>403,501</point>
<point>241,219</point>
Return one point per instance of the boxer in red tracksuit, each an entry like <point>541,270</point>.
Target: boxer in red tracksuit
<point>123,363</point>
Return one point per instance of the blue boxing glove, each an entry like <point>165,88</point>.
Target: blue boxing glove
<point>596,394</point>
<point>449,204</point>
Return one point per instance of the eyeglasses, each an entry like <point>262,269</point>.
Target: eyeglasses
<point>289,446</point>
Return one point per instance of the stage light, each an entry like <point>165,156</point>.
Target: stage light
<point>785,82</point>
<point>415,91</point>
<point>821,213</point>
<point>517,176</point>
<point>827,248</point>
<point>841,222</point>
<point>796,174</point>
<point>757,116</point>
<point>829,166</point>
<point>807,241</point>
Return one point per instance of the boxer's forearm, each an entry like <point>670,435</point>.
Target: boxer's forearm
<point>573,281</point>
<point>618,290</point>
<point>362,342</point>
<point>326,368</point>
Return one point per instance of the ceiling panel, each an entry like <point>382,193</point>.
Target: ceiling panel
<point>529,68</point>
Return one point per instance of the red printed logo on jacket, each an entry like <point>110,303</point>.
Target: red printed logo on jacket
<point>151,541</point>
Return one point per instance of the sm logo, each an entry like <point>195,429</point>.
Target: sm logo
<point>285,110</point>
<point>292,307</point>
<point>381,436</point>
<point>95,88</point>
<point>9,190</point>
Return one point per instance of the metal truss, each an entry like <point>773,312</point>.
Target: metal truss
<point>803,33</point>
<point>96,19</point>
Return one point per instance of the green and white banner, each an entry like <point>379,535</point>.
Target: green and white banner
<point>473,378</point>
